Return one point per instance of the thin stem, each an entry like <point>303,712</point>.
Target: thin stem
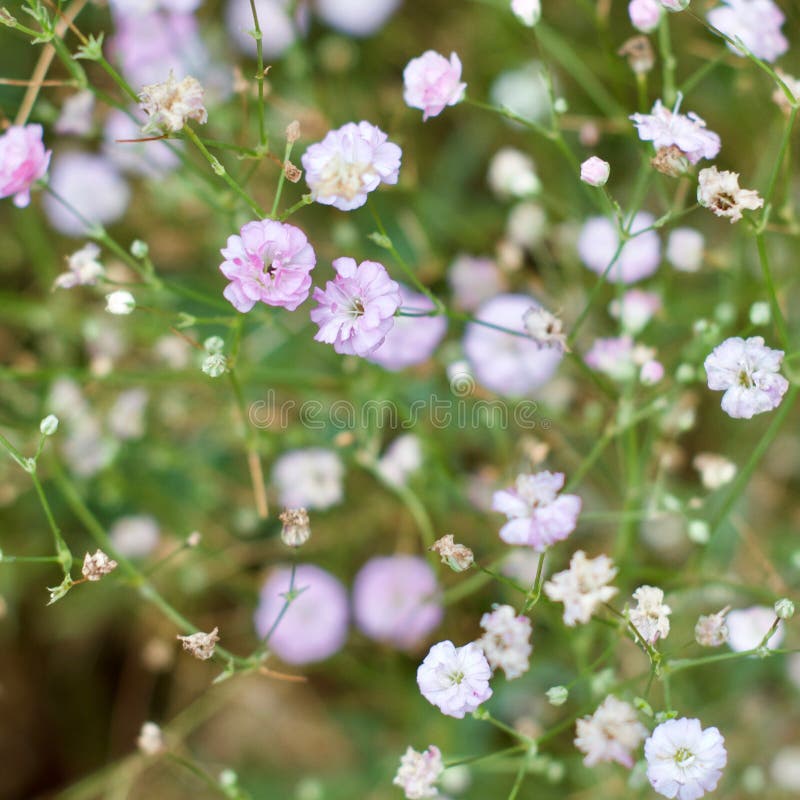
<point>62,551</point>
<point>668,62</point>
<point>780,321</point>
<point>262,131</point>
<point>536,590</point>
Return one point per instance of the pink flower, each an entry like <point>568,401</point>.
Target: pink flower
<point>595,171</point>
<point>652,372</point>
<point>635,309</point>
<point>395,600</point>
<point>269,262</point>
<point>747,628</point>
<point>349,163</point>
<point>455,679</point>
<point>431,82</point>
<point>474,279</point>
<point>314,626</point>
<point>411,340</point>
<point>23,161</point>
<point>756,22</point>
<point>356,310</point>
<point>645,14</point>
<point>613,356</point>
<point>748,372</point>
<point>687,132</point>
<point>537,515</point>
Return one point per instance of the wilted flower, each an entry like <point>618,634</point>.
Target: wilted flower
<point>612,733</point>
<point>431,82</point>
<point>545,328</point>
<point>687,132</point>
<point>583,587</point>
<point>640,55</point>
<point>651,615</point>
<point>296,529</point>
<point>23,161</point>
<point>419,772</point>
<point>97,565</point>
<point>507,640</point>
<point>83,268</point>
<point>200,645</point>
<point>757,23</point>
<point>671,161</point>
<point>171,104</point>
<point>458,557</point>
<point>711,630</point>
<point>720,192</point>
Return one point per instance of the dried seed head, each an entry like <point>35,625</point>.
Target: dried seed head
<point>292,172</point>
<point>201,645</point>
<point>639,53</point>
<point>94,567</point>
<point>671,161</point>
<point>457,556</point>
<point>293,131</point>
<point>296,528</point>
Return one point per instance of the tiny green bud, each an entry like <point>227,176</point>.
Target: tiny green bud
<point>784,608</point>
<point>214,345</point>
<point>557,695</point>
<point>642,705</point>
<point>215,365</point>
<point>685,373</point>
<point>698,531</point>
<point>49,425</point>
<point>139,249</point>
<point>760,313</point>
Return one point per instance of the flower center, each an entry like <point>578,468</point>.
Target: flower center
<point>343,178</point>
<point>683,757</point>
<point>456,677</point>
<point>745,380</point>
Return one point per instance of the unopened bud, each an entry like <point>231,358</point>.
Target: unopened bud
<point>557,695</point>
<point>293,131</point>
<point>151,739</point>
<point>215,365</point>
<point>784,608</point>
<point>139,249</point>
<point>49,425</point>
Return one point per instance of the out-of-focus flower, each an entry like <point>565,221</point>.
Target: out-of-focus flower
<point>512,174</point>
<point>635,309</point>
<point>280,28</point>
<point>355,17</point>
<point>431,83</point>
<point>683,760</point>
<point>511,365</point>
<point>685,249</point>
<point>309,478</point>
<point>474,279</point>
<point>396,600</point>
<point>557,695</point>
<point>785,769</point>
<point>784,608</point>
<point>524,91</point>
<point>97,565</point>
<point>747,628</point>
<point>711,630</point>
<point>748,372</point>
<point>83,268</point>
<point>201,645</point>
<point>675,5</point>
<point>779,96</point>
<point>151,740</point>
<point>356,310</point>
<point>268,262</point>
<point>583,587</point>
<point>151,159</point>
<point>170,104</point>
<point>403,457</point>
<point>645,14</point>
<point>418,772</point>
<point>455,679</point>
<point>526,226</point>
<point>757,23</point>
<point>296,529</point>
<point>529,12</point>
<point>507,641</point>
<point>687,132</point>
<point>538,516</point>
<point>76,115</point>
<point>126,418</point>
<point>720,192</point>
<point>639,53</point>
<point>546,329</point>
<point>49,425</point>
<point>639,257</point>
<point>612,733</point>
<point>349,163</point>
<point>120,302</point>
<point>135,536</point>
<point>457,556</point>
<point>91,186</point>
<point>612,356</point>
<point>651,615</point>
<point>23,161</point>
<point>314,625</point>
<point>595,171</point>
<point>411,339</point>
<point>651,373</point>
<point>715,470</point>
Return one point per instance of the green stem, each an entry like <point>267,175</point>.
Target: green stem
<point>62,551</point>
<point>262,131</point>
<point>780,321</point>
<point>668,62</point>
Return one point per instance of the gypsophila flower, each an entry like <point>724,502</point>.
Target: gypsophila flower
<point>720,192</point>
<point>711,630</point>
<point>528,12</point>
<point>431,83</point>
<point>120,302</point>
<point>309,478</point>
<point>635,309</point>
<point>757,23</point>
<point>582,588</point>
<point>49,425</point>
<point>200,645</point>
<point>683,760</point>
<point>171,104</point>
<point>507,640</point>
<point>512,173</point>
<point>747,628</point>
<point>545,329</point>
<point>75,118</point>
<point>83,268</point>
<point>23,161</point>
<point>356,310</point>
<point>612,733</point>
<point>760,313</point>
<point>651,615</point>
<point>685,249</point>
<point>595,171</point>
<point>645,14</point>
<point>403,457</point>
<point>687,132</point>
<point>268,262</point>
<point>651,372</point>
<point>748,372</point>
<point>538,516</point>
<point>612,356</point>
<point>473,280</point>
<point>557,695</point>
<point>784,608</point>
<point>779,96</point>
<point>97,565</point>
<point>296,529</point>
<point>639,257</point>
<point>150,740</point>
<point>715,470</point>
<point>639,53</point>
<point>457,556</point>
<point>418,772</point>
<point>215,365</point>
<point>349,163</point>
<point>455,679</point>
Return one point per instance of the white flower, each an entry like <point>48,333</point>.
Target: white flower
<point>720,192</point>
<point>544,328</point>
<point>201,645</point>
<point>76,115</point>
<point>135,536</point>
<point>512,174</point>
<point>170,104</point>
<point>151,740</point>
<point>506,642</point>
<point>748,372</point>
<point>715,470</point>
<point>747,628</point>
<point>120,302</point>
<point>310,478</point>
<point>583,587</point>
<point>418,772</point>
<point>49,425</point>
<point>651,615</point>
<point>94,567</point>
<point>685,249</point>
<point>683,760</point>
<point>529,12</point>
<point>83,268</point>
<point>455,679</point>
<point>402,458</point>
<point>610,734</point>
<point>711,630</point>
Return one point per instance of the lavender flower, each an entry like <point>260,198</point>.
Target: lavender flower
<point>23,161</point>
<point>756,22</point>
<point>431,83</point>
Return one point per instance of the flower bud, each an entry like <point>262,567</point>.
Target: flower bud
<point>595,171</point>
<point>49,425</point>
<point>215,365</point>
<point>784,608</point>
<point>120,302</point>
<point>139,249</point>
<point>214,345</point>
<point>557,695</point>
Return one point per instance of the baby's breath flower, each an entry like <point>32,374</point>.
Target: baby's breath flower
<point>760,313</point>
<point>170,104</point>
<point>97,565</point>
<point>720,192</point>
<point>715,470</point>
<point>711,630</point>
<point>528,12</point>
<point>557,695</point>
<point>784,608</point>
<point>120,302</point>
<point>296,528</point>
<point>583,587</point>
<point>651,615</point>
<point>215,365</point>
<point>200,645</point>
<point>545,329</point>
<point>506,642</point>
<point>595,171</point>
<point>293,131</point>
<point>419,772</point>
<point>49,425</point>
<point>151,740</point>
<point>779,96</point>
<point>83,268</point>
<point>610,734</point>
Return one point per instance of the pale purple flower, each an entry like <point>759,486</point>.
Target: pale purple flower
<point>651,373</point>
<point>613,356</point>
<point>309,478</point>
<point>756,22</point>
<point>595,171</point>
<point>683,760</point>
<point>455,679</point>
<point>403,457</point>
<point>687,132</point>
<point>538,515</point>
<point>582,588</point>
<point>356,310</point>
<point>747,628</point>
<point>645,14</point>
<point>639,257</point>
<point>91,185</point>
<point>431,83</point>
<point>503,362</point>
<point>314,626</point>
<point>413,339</point>
<point>419,772</point>
<point>396,600</point>
<point>355,17</point>
<point>748,372</point>
<point>23,161</point>
<point>349,163</point>
<point>507,640</point>
<point>612,733</point>
<point>685,249</point>
<point>269,262</point>
<point>635,309</point>
<point>474,279</point>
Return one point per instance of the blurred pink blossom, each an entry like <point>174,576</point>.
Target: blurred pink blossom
<point>431,82</point>
<point>23,161</point>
